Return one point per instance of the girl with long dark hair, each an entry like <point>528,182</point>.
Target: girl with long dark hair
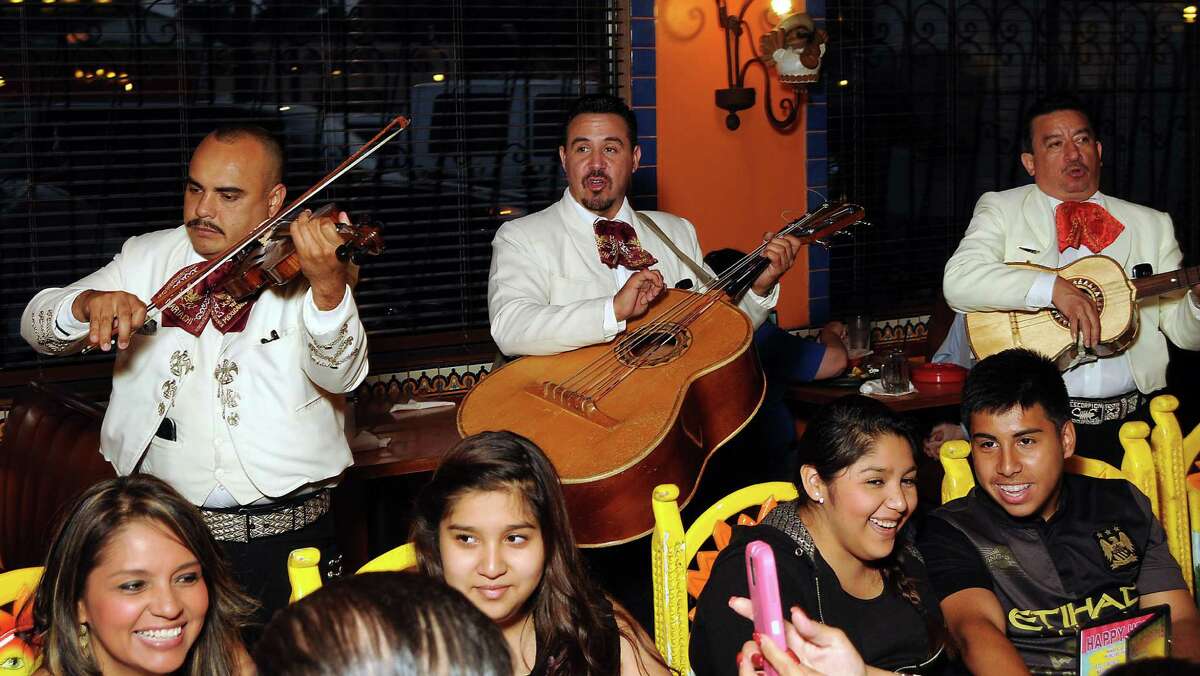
<point>841,550</point>
<point>493,524</point>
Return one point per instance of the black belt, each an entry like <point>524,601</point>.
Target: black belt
<point>1096,411</point>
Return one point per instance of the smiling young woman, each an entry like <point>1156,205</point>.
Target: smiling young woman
<point>135,584</point>
<point>841,550</point>
<point>493,524</point>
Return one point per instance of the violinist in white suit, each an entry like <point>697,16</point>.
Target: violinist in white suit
<point>572,274</point>
<point>1059,219</point>
<point>238,405</point>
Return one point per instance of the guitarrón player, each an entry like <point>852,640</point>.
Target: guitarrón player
<point>572,274</point>
<point>1060,218</point>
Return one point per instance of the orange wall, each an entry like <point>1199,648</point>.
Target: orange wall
<point>734,185</point>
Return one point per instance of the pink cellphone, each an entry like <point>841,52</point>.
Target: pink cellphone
<point>764,595</point>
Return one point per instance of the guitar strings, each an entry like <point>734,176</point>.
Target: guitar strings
<point>631,343</point>
<point>596,385</point>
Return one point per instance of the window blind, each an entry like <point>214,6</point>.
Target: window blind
<point>103,101</point>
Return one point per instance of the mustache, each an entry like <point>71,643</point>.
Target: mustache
<point>204,222</point>
<point>1074,165</point>
<point>597,173</point>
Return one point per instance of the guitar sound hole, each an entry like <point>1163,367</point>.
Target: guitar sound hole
<point>1092,289</point>
<point>659,346</point>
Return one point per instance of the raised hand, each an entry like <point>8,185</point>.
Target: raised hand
<point>636,295</point>
<point>813,648</point>
<point>781,251</point>
<point>317,241</point>
<point>109,312</point>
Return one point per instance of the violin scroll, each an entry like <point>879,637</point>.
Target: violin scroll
<point>364,240</point>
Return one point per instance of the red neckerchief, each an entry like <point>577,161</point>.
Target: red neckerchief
<point>204,302</point>
<point>619,245</point>
<point>1087,224</point>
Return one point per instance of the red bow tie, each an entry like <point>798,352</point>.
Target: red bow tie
<point>619,245</point>
<point>1085,223</point>
<point>203,302</point>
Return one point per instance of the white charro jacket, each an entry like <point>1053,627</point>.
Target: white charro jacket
<point>282,400</point>
<point>547,289</point>
<point>1013,227</point>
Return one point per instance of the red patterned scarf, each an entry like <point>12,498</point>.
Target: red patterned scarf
<point>204,302</point>
<point>619,245</point>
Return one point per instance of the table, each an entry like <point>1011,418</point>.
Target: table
<point>371,515</point>
<point>417,440</point>
<point>926,396</point>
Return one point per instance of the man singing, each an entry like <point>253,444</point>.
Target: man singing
<point>572,274</point>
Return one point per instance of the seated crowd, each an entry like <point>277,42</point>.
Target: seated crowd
<point>996,582</point>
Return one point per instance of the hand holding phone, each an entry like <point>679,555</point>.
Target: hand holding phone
<point>764,596</point>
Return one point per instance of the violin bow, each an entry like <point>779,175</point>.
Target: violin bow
<point>157,302</point>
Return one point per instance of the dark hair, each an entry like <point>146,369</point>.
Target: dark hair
<point>1044,106</point>
<point>566,606</point>
<point>379,624</point>
<point>230,133</point>
<point>839,435</point>
<point>1012,378</point>
<point>89,526</point>
<point>601,104</point>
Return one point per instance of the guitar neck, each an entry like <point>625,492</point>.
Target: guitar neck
<point>1167,281</point>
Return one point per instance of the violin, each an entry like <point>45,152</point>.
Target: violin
<point>275,261</point>
<point>266,254</point>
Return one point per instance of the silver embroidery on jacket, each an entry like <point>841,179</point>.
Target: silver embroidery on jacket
<point>43,333</point>
<point>333,354</point>
<point>225,373</point>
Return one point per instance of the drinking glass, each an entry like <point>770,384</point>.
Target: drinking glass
<point>894,373</point>
<point>858,330</point>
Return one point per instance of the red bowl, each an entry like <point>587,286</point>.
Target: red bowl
<point>938,374</point>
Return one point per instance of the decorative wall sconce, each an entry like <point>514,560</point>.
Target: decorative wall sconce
<point>793,49</point>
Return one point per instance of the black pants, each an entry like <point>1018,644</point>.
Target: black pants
<point>1102,442</point>
<point>260,566</point>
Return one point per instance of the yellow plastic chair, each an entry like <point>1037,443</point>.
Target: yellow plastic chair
<point>672,550</point>
<point>305,576</point>
<point>17,658</point>
<point>1171,468</point>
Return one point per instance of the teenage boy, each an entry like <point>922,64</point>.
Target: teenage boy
<point>1031,553</point>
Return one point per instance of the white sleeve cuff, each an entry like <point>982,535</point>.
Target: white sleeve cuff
<point>1041,294</point>
<point>66,326</point>
<point>319,322</point>
<point>611,326</point>
<point>1194,303</point>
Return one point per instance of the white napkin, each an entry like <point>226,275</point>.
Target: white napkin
<point>876,387</point>
<point>366,441</point>
<point>415,405</point>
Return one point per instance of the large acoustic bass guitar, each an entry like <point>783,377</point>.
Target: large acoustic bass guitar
<point>1048,331</point>
<point>619,418</point>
